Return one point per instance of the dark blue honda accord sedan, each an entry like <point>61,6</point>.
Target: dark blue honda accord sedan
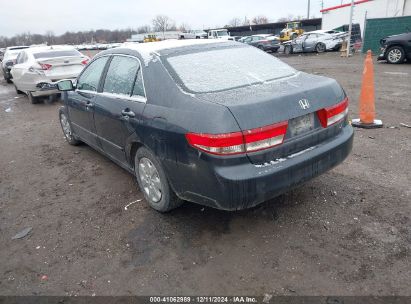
<point>217,123</point>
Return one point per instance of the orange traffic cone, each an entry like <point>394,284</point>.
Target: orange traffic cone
<point>367,98</point>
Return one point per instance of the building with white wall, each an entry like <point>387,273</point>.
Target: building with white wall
<point>334,17</point>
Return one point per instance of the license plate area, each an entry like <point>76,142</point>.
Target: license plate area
<point>301,125</point>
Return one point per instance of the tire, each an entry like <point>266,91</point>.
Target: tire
<point>153,182</point>
<point>288,49</point>
<point>181,37</point>
<point>66,127</point>
<point>8,80</point>
<point>395,55</point>
<point>320,47</point>
<point>32,99</point>
<point>17,90</point>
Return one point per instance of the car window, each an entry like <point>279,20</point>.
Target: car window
<point>226,68</point>
<point>90,78</point>
<point>120,75</point>
<point>19,58</point>
<point>138,85</point>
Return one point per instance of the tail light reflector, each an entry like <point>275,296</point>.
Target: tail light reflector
<point>331,115</point>
<point>239,142</point>
<point>45,66</point>
<point>84,62</point>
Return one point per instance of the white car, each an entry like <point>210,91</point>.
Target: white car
<point>37,69</point>
<point>316,41</point>
<point>9,59</point>
<point>193,34</point>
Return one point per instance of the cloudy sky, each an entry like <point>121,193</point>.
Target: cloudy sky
<point>39,16</point>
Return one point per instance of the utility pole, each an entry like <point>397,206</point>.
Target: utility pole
<point>350,29</point>
<point>308,9</point>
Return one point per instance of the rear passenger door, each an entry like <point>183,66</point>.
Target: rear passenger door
<point>120,104</point>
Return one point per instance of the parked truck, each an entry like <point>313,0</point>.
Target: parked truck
<point>219,34</point>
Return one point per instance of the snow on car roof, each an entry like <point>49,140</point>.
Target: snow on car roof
<point>44,48</point>
<point>147,49</point>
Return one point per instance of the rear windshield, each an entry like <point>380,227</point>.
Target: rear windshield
<point>54,54</point>
<point>224,69</point>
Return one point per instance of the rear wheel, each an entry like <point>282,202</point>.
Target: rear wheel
<point>320,47</point>
<point>32,99</point>
<point>153,182</point>
<point>395,55</point>
<point>66,127</point>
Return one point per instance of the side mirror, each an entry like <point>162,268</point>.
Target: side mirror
<point>65,85</point>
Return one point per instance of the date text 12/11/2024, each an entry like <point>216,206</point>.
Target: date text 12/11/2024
<point>203,299</point>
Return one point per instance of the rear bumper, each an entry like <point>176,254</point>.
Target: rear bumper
<point>45,88</point>
<point>246,185</point>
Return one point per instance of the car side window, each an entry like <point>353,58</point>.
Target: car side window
<point>139,85</point>
<point>120,75</point>
<point>90,78</point>
<point>19,58</point>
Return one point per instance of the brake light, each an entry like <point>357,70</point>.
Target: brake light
<point>239,142</point>
<point>84,62</point>
<point>331,115</point>
<point>45,66</point>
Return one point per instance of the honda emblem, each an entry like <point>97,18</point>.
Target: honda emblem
<point>304,104</point>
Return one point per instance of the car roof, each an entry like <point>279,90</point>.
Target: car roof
<point>262,35</point>
<point>147,49</point>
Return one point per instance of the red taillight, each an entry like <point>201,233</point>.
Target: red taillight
<point>239,142</point>
<point>45,66</point>
<point>84,62</point>
<point>331,115</point>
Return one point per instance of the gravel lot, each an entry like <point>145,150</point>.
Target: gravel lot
<point>347,232</point>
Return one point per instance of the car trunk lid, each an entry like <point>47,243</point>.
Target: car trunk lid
<point>62,66</point>
<point>295,100</point>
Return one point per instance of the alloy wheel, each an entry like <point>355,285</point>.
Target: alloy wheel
<point>150,180</point>
<point>394,55</point>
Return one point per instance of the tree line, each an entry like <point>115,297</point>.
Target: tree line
<point>160,23</point>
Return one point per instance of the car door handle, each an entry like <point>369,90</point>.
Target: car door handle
<point>128,113</point>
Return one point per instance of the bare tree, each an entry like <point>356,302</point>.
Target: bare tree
<point>283,19</point>
<point>50,37</point>
<point>184,27</point>
<point>259,20</point>
<point>246,21</point>
<point>234,22</point>
<point>143,29</point>
<point>163,23</point>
